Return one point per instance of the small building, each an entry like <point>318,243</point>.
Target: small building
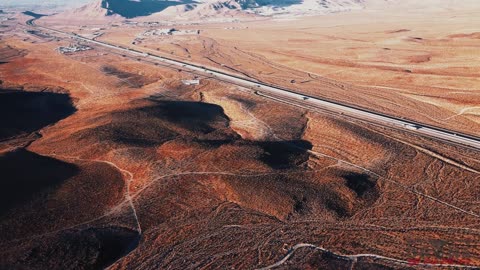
<point>191,82</point>
<point>73,48</point>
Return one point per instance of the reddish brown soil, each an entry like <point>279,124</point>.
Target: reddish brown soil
<point>161,175</point>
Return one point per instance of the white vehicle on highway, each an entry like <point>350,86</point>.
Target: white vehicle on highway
<point>411,126</point>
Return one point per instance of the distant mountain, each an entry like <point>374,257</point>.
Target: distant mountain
<point>140,8</point>
<point>298,7</point>
<point>92,12</point>
<point>200,9</point>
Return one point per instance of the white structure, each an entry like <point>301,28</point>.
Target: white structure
<point>74,48</point>
<point>411,126</point>
<point>191,82</point>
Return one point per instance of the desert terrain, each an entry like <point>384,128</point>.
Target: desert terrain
<point>422,67</point>
<point>112,161</point>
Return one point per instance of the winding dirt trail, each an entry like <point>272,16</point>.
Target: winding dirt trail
<point>353,259</point>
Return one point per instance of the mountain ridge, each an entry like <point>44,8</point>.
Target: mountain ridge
<point>201,9</point>
<point>126,9</point>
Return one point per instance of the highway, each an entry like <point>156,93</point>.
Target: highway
<point>295,98</point>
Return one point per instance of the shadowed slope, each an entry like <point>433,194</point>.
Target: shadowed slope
<point>25,174</point>
<point>132,9</point>
<point>31,111</point>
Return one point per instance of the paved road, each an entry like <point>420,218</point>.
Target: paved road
<point>295,98</point>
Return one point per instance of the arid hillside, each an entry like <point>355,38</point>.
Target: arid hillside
<point>113,161</point>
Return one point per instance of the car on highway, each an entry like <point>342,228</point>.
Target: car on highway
<point>411,126</point>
